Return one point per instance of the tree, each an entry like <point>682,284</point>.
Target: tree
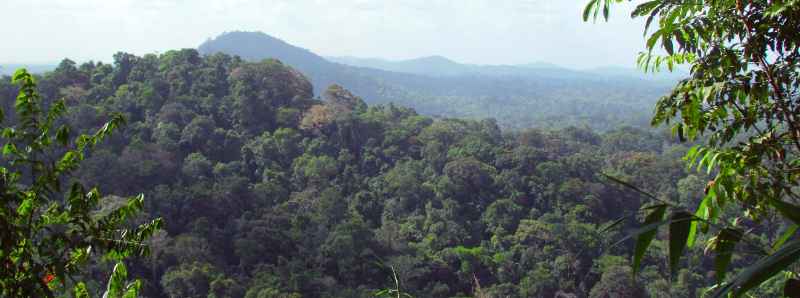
<point>49,230</point>
<point>741,101</point>
<point>616,282</point>
<point>190,280</point>
<point>342,101</point>
<point>260,88</point>
<point>196,166</point>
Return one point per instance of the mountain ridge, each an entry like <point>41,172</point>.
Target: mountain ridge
<point>423,66</point>
<point>518,97</point>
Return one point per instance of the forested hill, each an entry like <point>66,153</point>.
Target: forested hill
<point>519,97</point>
<point>266,191</point>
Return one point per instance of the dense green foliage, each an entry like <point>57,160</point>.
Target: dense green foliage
<point>519,97</point>
<point>269,192</point>
<point>742,101</point>
<point>51,225</point>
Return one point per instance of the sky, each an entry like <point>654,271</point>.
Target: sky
<point>467,31</point>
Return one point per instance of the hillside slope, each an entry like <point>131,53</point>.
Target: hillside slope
<point>268,192</point>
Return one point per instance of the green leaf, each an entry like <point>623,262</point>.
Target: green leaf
<point>711,210</point>
<point>666,42</point>
<point>691,155</point>
<point>590,7</point>
<point>19,75</point>
<point>704,160</point>
<point>651,41</point>
<point>790,211</point>
<point>645,8</point>
<point>712,163</point>
<point>726,242</point>
<point>26,207</point>
<point>702,213</point>
<point>778,7</point>
<point>69,161</point>
<point>644,240</point>
<point>8,132</point>
<point>9,148</point>
<point>381,293</point>
<point>132,291</point>
<point>80,291</point>
<point>62,135</point>
<point>613,224</point>
<point>790,231</point>
<point>642,230</point>
<point>116,283</point>
<point>762,270</point>
<point>678,237</point>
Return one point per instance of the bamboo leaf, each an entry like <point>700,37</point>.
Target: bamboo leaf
<point>116,283</point>
<point>691,155</point>
<point>726,242</point>
<point>132,290</point>
<point>651,41</point>
<point>666,42</point>
<point>712,163</point>
<point>587,11</point>
<point>790,211</point>
<point>702,213</point>
<point>679,230</point>
<point>628,185</point>
<point>613,224</point>
<point>762,270</point>
<point>645,8</point>
<point>646,237</point>
<point>679,131</point>
<point>784,237</point>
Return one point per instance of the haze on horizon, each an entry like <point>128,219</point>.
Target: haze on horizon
<point>475,31</point>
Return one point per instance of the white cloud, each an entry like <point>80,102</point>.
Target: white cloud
<point>476,31</point>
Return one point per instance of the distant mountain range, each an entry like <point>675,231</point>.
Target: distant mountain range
<point>442,66</point>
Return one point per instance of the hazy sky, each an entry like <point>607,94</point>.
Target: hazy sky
<point>471,31</point>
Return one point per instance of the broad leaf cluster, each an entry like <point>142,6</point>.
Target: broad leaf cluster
<point>50,224</point>
<point>741,102</point>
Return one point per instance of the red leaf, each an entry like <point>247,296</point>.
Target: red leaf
<point>48,278</point>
